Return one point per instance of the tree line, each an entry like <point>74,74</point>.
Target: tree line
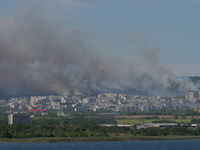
<point>87,130</point>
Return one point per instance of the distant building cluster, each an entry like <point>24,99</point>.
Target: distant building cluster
<point>107,101</point>
<point>192,96</point>
<point>127,102</point>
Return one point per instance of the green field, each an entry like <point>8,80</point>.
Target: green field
<point>89,139</point>
<point>140,121</point>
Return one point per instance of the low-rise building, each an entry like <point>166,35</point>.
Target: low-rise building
<point>18,118</point>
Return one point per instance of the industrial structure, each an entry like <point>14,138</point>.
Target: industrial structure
<point>18,118</point>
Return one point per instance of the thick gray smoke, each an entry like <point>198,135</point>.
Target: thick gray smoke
<point>36,57</point>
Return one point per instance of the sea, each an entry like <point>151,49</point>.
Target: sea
<point>117,145</point>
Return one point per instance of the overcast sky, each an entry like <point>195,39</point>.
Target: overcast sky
<point>170,26</point>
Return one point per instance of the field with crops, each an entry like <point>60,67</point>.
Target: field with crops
<point>139,119</point>
<point>155,116</point>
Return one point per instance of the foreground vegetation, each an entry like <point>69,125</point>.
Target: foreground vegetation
<point>85,126</point>
<point>88,130</point>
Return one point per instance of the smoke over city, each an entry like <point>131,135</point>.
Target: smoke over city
<point>38,57</point>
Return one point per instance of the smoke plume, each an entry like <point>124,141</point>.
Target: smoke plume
<point>38,57</point>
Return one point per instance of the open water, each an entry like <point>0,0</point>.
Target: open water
<point>121,145</point>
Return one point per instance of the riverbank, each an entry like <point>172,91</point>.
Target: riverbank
<point>94,139</point>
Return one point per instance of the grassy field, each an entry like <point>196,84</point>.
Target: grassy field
<point>49,118</point>
<point>151,116</point>
<point>139,121</point>
<point>90,139</point>
<point>144,116</point>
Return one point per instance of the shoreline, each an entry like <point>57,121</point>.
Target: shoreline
<point>96,139</point>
